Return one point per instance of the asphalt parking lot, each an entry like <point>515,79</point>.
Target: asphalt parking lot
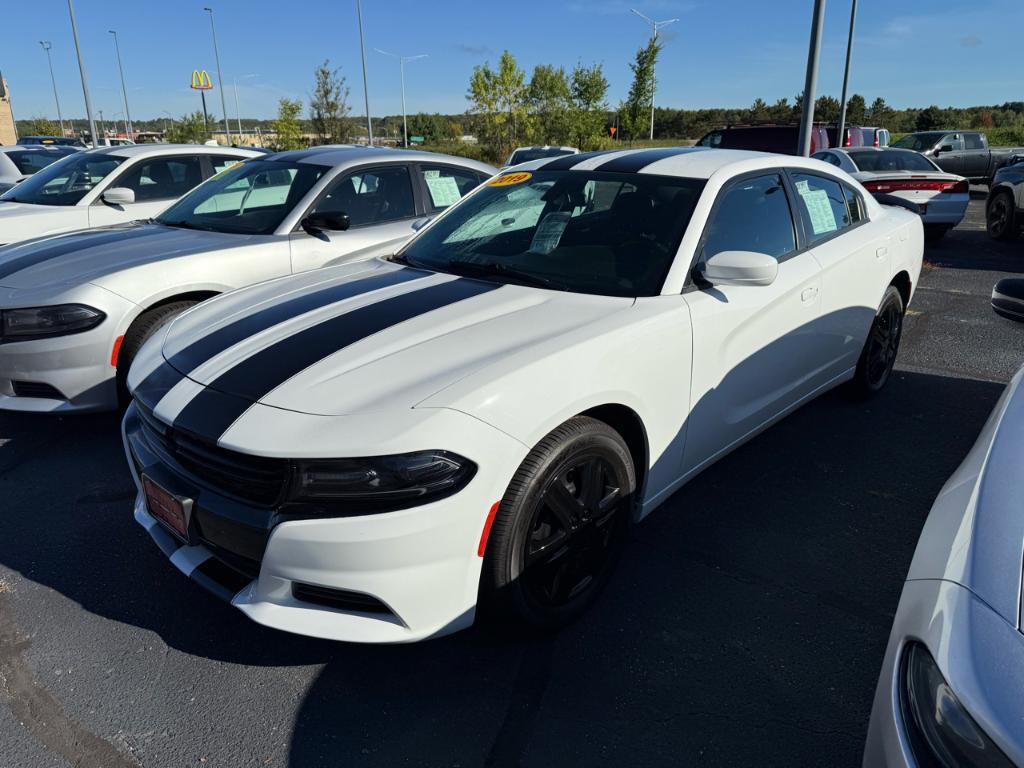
<point>746,624</point>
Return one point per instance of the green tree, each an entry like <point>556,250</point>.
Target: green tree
<point>929,119</point>
<point>759,111</point>
<point>287,125</point>
<point>880,113</point>
<point>588,93</point>
<point>328,105</point>
<point>39,126</point>
<point>856,109</point>
<point>636,110</point>
<point>547,98</point>
<point>826,109</point>
<point>498,98</point>
<point>189,129</point>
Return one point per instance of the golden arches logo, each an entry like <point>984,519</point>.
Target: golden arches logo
<point>201,80</point>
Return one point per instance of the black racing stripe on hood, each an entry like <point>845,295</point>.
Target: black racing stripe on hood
<point>565,162</point>
<point>635,162</point>
<point>210,414</point>
<point>216,342</point>
<point>152,389</point>
<point>65,244</point>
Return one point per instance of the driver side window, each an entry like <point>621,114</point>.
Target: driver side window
<point>371,196</point>
<point>954,140</point>
<point>751,215</point>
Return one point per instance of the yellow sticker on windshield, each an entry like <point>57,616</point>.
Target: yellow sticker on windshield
<point>509,179</point>
<point>225,170</point>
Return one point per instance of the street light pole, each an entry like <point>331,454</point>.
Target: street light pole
<point>81,69</point>
<point>401,69</point>
<point>655,27</point>
<point>238,113</point>
<point>124,90</point>
<point>46,47</point>
<point>220,77</point>
<point>366,87</point>
<point>811,83</point>
<point>840,133</point>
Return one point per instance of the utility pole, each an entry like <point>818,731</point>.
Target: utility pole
<point>811,83</point>
<point>840,133</point>
<point>129,128</point>
<point>655,28</point>
<point>401,69</point>
<point>81,69</point>
<point>366,87</point>
<point>46,47</point>
<point>220,77</point>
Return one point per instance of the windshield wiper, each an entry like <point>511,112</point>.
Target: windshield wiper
<point>183,224</point>
<point>495,269</point>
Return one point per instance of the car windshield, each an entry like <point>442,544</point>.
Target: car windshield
<point>65,182</point>
<point>891,160</point>
<point>251,198</point>
<point>29,161</point>
<point>611,234</point>
<point>535,153</point>
<point>918,142</point>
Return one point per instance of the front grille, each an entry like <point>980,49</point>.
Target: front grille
<point>341,599</point>
<point>36,389</point>
<point>254,479</point>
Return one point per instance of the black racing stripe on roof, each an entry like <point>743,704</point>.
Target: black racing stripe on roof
<point>69,243</point>
<point>212,412</point>
<point>635,162</point>
<point>212,344</point>
<point>565,162</point>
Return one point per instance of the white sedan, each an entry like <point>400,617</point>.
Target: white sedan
<point>940,197</point>
<point>17,163</point>
<point>361,453</point>
<point>950,689</point>
<point>99,187</point>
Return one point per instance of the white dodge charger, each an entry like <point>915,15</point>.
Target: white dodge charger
<point>366,452</point>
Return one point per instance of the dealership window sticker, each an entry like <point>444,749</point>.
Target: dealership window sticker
<point>819,209</point>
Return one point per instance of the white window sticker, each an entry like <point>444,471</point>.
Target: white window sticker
<point>823,219</point>
<point>444,190</point>
<point>549,233</point>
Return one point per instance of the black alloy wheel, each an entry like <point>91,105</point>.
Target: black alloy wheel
<point>881,347</point>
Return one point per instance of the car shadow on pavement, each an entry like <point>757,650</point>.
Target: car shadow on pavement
<point>746,623</point>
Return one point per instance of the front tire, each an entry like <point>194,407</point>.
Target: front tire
<point>561,525</point>
<point>141,330</point>
<point>883,343</point>
<point>1000,218</point>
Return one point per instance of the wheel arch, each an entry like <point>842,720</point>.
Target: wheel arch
<point>630,426</point>
<point>903,284</point>
<point>197,296</point>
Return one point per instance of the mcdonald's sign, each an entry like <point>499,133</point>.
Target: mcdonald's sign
<point>201,80</point>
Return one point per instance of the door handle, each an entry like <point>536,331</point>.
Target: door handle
<point>882,252</point>
<point>808,294</point>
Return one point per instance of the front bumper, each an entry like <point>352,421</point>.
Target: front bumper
<point>402,576</point>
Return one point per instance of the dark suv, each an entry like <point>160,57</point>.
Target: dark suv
<point>783,139</point>
<point>1004,211</point>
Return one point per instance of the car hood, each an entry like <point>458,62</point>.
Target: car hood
<point>357,338</point>
<point>88,255</point>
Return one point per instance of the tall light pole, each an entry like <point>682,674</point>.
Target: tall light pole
<point>81,69</point>
<point>238,113</point>
<point>366,87</point>
<point>655,28</point>
<point>811,83</point>
<point>124,91</point>
<point>401,69</point>
<point>46,47</point>
<point>220,77</point>
<point>840,133</point>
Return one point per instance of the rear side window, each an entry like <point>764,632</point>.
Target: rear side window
<point>828,157</point>
<point>221,163</point>
<point>855,204</point>
<point>822,206</point>
<point>973,141</point>
<point>446,186</point>
<point>162,178</point>
<point>31,161</point>
<point>751,215</point>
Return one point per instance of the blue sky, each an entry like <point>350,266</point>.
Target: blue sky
<point>913,52</point>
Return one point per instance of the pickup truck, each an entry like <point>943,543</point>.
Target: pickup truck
<point>965,153</point>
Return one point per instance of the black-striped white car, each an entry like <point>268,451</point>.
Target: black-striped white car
<point>362,452</point>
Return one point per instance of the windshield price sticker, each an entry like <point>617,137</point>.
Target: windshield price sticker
<point>510,178</point>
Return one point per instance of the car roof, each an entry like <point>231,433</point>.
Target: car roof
<point>155,150</point>
<point>344,154</point>
<point>37,148</point>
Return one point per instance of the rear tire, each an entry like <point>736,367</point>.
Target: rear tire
<point>1000,217</point>
<point>561,526</point>
<point>878,357</point>
<point>139,332</point>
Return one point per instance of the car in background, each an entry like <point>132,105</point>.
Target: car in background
<point>526,154</point>
<point>949,693</point>
<point>17,163</point>
<point>100,187</point>
<point>852,136</point>
<point>965,153</point>
<point>115,142</point>
<point>875,137</point>
<point>59,141</point>
<point>782,139</point>
<point>361,453</point>
<point>941,198</point>
<point>76,307</point>
<point>1004,209</point>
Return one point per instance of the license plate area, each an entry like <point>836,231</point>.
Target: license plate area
<point>171,510</point>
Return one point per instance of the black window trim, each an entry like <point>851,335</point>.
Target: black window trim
<point>128,167</point>
<point>339,177</point>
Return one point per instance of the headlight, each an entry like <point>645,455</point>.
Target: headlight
<point>380,483</point>
<point>942,733</point>
<point>42,322</point>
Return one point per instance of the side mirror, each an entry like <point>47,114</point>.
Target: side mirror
<point>118,196</point>
<point>944,148</point>
<point>740,268</point>
<point>1008,298</point>
<point>320,222</point>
